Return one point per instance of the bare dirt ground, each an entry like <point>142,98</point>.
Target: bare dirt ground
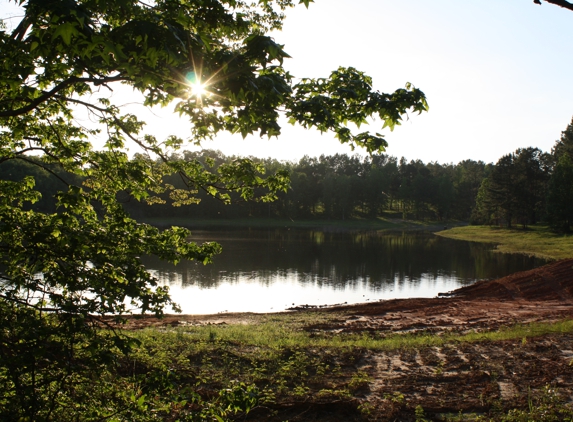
<point>458,379</point>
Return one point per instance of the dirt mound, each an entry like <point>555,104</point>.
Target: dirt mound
<point>550,282</point>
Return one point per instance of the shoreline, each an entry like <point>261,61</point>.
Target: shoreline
<point>528,296</point>
<point>493,347</point>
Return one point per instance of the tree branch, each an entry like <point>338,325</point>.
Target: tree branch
<point>46,168</point>
<point>120,124</point>
<point>563,3</point>
<point>49,94</point>
<point>14,299</point>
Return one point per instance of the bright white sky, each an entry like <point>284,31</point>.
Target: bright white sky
<point>497,74</point>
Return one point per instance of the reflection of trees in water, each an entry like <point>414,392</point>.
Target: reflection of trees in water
<point>341,260</point>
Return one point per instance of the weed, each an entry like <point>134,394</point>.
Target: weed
<point>396,397</point>
<point>359,380</point>
<point>420,415</point>
<point>439,368</point>
<point>546,406</point>
<point>366,408</point>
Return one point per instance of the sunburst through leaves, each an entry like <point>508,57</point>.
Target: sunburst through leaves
<point>197,88</point>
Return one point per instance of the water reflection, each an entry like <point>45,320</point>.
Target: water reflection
<point>263,270</point>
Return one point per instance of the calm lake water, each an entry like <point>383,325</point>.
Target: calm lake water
<point>266,270</point>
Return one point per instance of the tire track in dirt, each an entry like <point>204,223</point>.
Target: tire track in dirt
<point>467,378</point>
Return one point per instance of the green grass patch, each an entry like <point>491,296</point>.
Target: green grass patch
<point>520,331</point>
<point>279,332</point>
<point>535,240</point>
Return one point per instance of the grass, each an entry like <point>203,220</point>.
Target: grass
<point>222,367</point>
<point>286,331</point>
<point>535,240</point>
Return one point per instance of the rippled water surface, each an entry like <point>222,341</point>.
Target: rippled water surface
<point>263,270</point>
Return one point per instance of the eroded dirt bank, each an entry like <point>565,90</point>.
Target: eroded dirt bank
<point>471,378</point>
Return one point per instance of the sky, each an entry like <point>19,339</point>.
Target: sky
<point>496,73</point>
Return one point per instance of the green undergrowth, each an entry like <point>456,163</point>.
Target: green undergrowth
<point>258,369</point>
<point>535,240</point>
<point>263,368</point>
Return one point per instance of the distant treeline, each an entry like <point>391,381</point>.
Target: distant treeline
<point>522,188</point>
<point>343,187</point>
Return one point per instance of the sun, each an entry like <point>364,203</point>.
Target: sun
<point>197,88</point>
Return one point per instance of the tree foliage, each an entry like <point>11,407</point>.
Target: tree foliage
<point>61,268</point>
<point>530,186</point>
<point>564,146</point>
<point>515,190</point>
<point>560,196</point>
<point>339,187</point>
<point>560,188</point>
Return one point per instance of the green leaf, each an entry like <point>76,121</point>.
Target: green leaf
<point>66,31</point>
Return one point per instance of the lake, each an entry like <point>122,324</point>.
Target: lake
<point>269,270</point>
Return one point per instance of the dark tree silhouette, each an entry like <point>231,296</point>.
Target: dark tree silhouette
<point>562,3</point>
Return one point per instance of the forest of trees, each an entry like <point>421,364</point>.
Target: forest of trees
<point>522,188</point>
<point>340,187</point>
<point>530,186</point>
